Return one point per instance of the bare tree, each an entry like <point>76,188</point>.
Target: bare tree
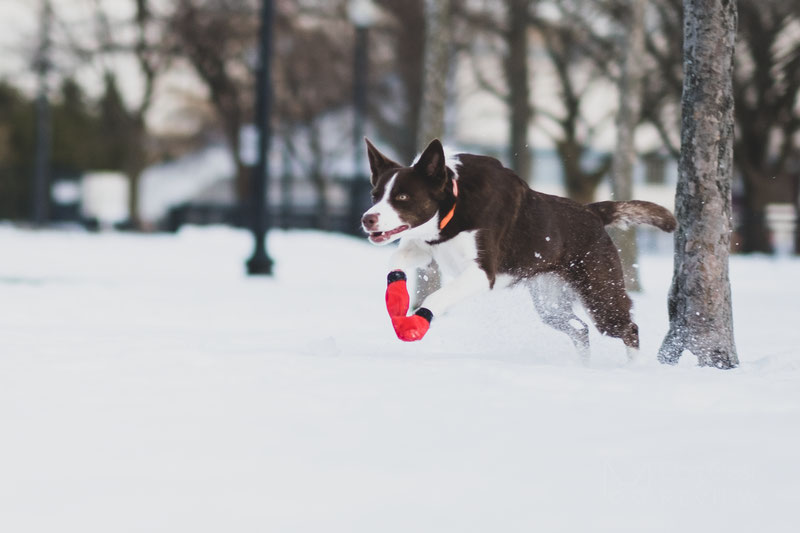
<point>518,75</point>
<point>436,65</point>
<point>41,173</point>
<point>312,78</point>
<point>311,75</point>
<point>662,75</point>
<point>766,88</point>
<point>142,40</point>
<point>628,114</point>
<point>700,298</point>
<point>399,40</point>
<point>218,40</point>
<point>571,134</point>
<point>512,35</point>
<point>434,98</point>
<point>152,61</point>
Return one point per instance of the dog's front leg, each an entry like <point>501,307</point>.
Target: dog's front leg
<point>408,258</point>
<point>411,255</point>
<point>470,282</point>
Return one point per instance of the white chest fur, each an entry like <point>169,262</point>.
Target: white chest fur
<point>457,254</point>
<point>453,256</point>
<point>457,260</point>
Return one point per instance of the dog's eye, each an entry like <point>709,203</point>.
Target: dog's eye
<point>401,197</point>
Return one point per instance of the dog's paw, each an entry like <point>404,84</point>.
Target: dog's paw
<point>397,294</point>
<point>414,327</point>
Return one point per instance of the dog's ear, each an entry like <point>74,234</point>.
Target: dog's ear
<point>431,163</point>
<point>378,163</point>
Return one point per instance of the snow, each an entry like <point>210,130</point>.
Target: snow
<point>146,384</point>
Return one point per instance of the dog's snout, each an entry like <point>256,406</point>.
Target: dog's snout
<point>370,221</point>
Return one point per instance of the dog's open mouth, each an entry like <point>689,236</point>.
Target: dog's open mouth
<point>383,236</point>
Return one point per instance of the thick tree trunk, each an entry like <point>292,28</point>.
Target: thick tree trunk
<point>518,76</point>
<point>700,298</point>
<point>630,88</point>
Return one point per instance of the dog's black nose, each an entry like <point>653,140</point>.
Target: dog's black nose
<point>370,221</point>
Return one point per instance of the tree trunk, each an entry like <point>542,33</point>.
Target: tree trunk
<point>44,126</point>
<point>241,180</point>
<point>133,200</point>
<point>409,49</point>
<point>753,230</point>
<point>136,162</point>
<point>630,88</point>
<point>700,311</point>
<point>796,199</point>
<point>286,183</point>
<point>137,155</point>
<point>580,184</point>
<point>318,178</point>
<point>517,74</point>
<point>436,62</point>
<point>434,95</point>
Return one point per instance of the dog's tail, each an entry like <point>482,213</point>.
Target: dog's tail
<point>623,214</point>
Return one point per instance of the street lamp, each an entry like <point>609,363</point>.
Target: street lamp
<point>260,262</point>
<point>362,15</point>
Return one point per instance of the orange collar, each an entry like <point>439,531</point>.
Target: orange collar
<point>449,215</point>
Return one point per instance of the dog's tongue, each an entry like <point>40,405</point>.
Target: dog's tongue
<point>380,236</point>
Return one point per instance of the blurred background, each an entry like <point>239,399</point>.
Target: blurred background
<point>140,114</point>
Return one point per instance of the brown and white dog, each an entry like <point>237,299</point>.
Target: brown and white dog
<point>486,228</point>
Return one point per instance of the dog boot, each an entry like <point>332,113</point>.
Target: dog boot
<point>414,327</point>
<point>397,294</point>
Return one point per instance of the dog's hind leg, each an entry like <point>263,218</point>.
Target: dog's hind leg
<point>599,283</point>
<point>553,299</point>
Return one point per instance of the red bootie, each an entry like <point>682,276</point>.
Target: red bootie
<point>407,328</point>
<point>397,294</point>
<point>414,327</point>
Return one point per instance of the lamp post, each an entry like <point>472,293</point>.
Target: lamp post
<point>260,262</point>
<point>362,15</point>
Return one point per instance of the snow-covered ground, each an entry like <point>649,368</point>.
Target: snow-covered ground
<point>147,385</point>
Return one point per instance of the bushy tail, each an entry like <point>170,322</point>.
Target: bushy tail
<point>623,214</point>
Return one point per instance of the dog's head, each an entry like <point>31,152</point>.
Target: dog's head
<point>406,200</point>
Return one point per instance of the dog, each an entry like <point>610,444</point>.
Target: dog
<point>486,229</point>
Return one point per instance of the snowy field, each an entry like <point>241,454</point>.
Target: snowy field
<point>147,385</point>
